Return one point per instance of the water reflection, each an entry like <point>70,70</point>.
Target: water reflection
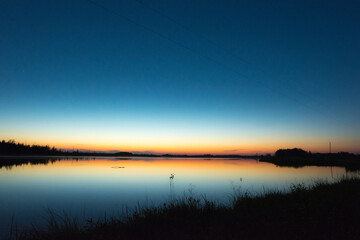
<point>10,161</point>
<point>92,187</point>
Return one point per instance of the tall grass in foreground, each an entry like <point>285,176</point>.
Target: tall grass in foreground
<point>321,211</point>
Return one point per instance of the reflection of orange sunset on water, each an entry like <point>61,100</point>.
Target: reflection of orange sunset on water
<point>108,184</point>
<point>144,169</point>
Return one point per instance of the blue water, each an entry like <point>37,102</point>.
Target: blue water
<point>99,187</point>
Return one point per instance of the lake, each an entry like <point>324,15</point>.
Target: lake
<point>107,186</point>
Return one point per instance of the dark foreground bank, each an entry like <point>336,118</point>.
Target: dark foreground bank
<point>323,211</point>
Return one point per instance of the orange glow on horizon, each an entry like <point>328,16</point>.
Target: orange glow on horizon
<point>250,148</point>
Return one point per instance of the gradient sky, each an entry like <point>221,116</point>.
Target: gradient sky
<point>220,77</point>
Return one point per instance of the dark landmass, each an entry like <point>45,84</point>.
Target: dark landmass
<point>16,154</point>
<point>297,157</point>
<point>12,148</point>
<point>323,211</point>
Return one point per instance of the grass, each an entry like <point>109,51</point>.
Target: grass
<point>321,211</point>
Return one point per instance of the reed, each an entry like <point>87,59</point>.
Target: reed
<point>323,210</point>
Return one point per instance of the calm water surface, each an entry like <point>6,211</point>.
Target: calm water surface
<point>86,188</point>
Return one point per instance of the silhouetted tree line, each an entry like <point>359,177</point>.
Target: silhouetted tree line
<point>297,157</point>
<point>10,147</point>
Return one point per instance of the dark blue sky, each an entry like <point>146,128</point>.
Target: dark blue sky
<point>255,76</point>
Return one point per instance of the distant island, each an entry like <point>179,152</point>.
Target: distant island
<point>297,157</point>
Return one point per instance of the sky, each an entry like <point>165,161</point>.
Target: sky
<point>196,77</point>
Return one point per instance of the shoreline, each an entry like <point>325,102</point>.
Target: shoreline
<point>322,211</point>
<point>299,158</point>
